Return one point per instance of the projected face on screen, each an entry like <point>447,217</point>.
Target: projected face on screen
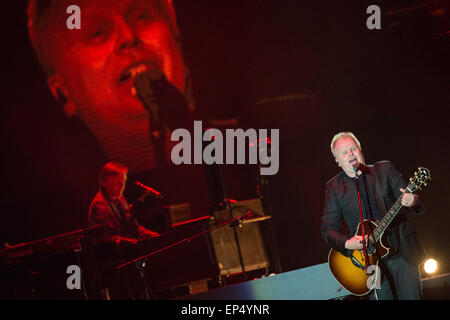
<point>93,68</point>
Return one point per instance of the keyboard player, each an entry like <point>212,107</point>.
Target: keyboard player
<point>110,207</point>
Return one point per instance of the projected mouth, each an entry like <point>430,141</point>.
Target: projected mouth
<point>133,70</point>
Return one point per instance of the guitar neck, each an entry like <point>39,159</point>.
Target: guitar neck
<point>387,219</point>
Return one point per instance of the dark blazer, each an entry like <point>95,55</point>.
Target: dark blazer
<point>118,220</point>
<point>341,200</point>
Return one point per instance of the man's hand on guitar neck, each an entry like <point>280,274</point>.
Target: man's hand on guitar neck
<point>409,199</point>
<point>355,243</point>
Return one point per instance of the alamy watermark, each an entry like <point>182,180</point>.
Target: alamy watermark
<point>74,280</point>
<point>372,22</point>
<point>74,20</point>
<point>262,149</point>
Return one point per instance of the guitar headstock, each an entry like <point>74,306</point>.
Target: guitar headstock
<point>420,178</point>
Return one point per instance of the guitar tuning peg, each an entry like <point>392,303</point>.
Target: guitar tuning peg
<point>425,184</point>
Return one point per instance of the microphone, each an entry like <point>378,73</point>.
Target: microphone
<point>164,102</point>
<point>149,190</point>
<point>166,106</point>
<point>238,222</point>
<point>149,86</point>
<point>358,166</point>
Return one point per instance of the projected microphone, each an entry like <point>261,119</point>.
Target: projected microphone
<point>164,102</point>
<point>167,108</point>
<point>358,166</point>
<point>149,87</point>
<point>149,190</point>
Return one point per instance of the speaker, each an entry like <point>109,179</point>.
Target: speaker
<point>247,238</point>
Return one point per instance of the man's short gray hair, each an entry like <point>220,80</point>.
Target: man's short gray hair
<point>342,135</point>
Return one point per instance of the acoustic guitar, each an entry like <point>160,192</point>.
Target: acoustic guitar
<point>358,273</point>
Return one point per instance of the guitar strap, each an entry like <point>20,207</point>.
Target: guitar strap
<point>375,185</point>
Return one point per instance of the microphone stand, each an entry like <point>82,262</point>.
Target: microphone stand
<point>236,237</point>
<point>142,263</point>
<point>223,199</point>
<point>265,200</point>
<point>229,222</point>
<point>366,260</point>
<point>264,195</point>
<point>366,257</point>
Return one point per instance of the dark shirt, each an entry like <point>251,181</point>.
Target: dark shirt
<point>368,203</point>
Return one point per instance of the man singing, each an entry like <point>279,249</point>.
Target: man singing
<point>111,208</point>
<point>380,185</point>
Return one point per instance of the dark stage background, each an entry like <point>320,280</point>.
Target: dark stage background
<point>309,68</point>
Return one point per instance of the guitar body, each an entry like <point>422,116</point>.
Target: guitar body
<point>350,271</point>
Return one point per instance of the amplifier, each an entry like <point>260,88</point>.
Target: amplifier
<point>246,238</point>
